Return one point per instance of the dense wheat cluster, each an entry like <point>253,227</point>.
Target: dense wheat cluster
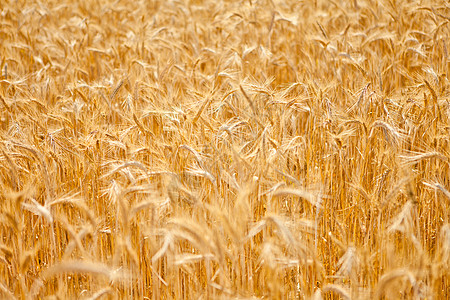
<point>224,149</point>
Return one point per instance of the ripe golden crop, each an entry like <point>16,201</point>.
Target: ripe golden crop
<point>224,149</point>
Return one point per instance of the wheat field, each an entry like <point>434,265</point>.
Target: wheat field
<point>224,149</point>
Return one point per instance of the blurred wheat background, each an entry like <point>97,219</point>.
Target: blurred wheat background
<point>224,149</point>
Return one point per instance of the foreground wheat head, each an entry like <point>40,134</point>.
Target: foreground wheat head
<point>224,149</point>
